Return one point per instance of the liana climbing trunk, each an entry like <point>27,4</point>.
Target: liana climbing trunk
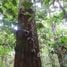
<point>27,46</point>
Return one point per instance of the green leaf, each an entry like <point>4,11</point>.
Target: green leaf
<point>27,5</point>
<point>46,2</point>
<point>64,39</point>
<point>14,2</point>
<point>40,25</point>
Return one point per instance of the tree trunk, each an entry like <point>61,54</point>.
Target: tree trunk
<point>60,60</point>
<point>27,47</point>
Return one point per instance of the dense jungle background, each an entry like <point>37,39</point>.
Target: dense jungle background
<point>51,24</point>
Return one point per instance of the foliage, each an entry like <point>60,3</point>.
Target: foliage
<point>7,38</point>
<point>9,9</point>
<point>4,50</point>
<point>46,2</point>
<point>48,39</point>
<point>27,5</point>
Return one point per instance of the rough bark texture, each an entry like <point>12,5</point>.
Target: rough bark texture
<point>27,47</point>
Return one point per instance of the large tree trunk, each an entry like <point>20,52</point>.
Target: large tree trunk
<point>27,47</point>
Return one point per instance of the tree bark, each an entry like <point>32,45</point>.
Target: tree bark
<point>27,46</point>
